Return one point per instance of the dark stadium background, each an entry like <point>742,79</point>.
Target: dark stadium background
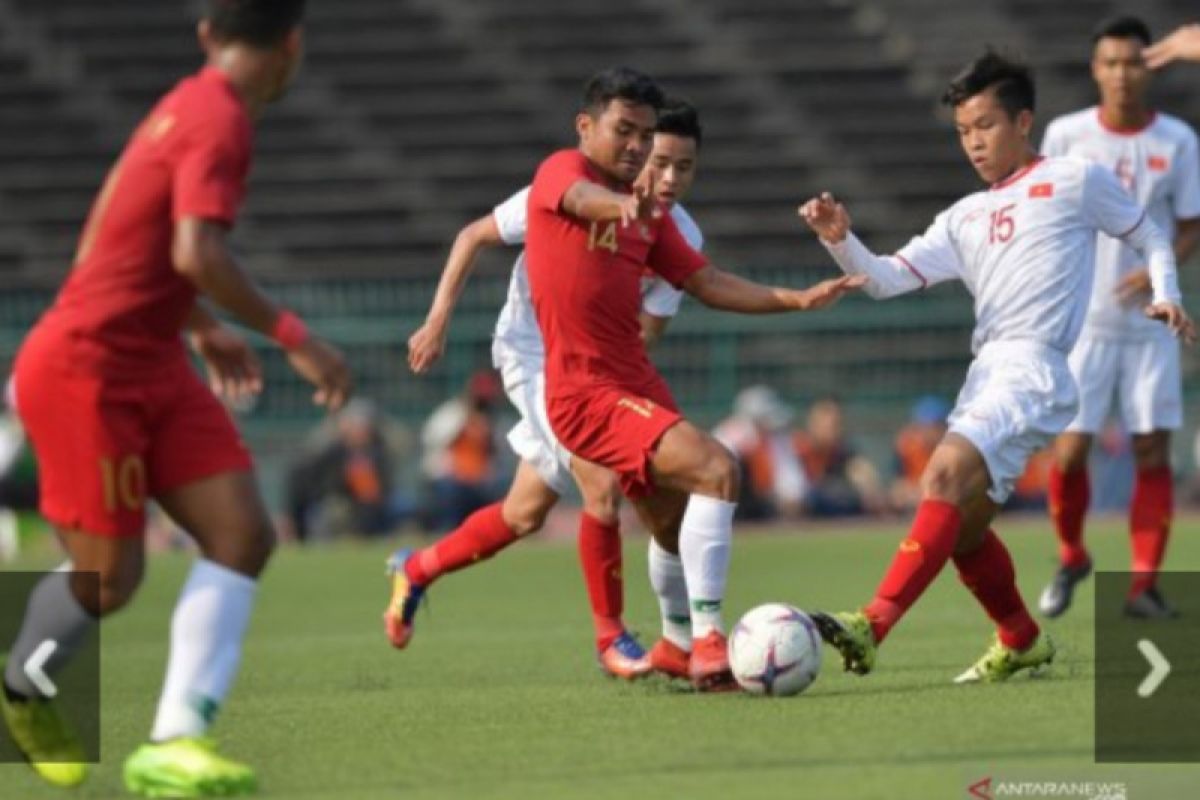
<point>414,116</point>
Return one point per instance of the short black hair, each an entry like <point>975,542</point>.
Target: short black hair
<point>620,83</point>
<point>1011,78</point>
<point>1122,27</point>
<point>260,23</point>
<point>680,118</point>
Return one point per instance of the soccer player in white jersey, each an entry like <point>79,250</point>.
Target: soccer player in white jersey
<point>1120,352</point>
<point>544,473</point>
<point>1024,248</point>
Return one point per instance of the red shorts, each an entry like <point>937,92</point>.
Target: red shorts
<point>616,428</point>
<point>103,445</point>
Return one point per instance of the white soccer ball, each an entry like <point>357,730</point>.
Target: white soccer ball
<point>775,650</point>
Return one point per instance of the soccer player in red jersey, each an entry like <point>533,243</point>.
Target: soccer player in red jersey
<point>590,235</point>
<point>545,471</point>
<point>117,415</point>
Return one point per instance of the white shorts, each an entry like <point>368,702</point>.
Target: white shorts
<point>1017,397</point>
<point>1144,375</point>
<point>532,438</point>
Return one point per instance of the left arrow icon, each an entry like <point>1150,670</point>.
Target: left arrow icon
<point>35,668</point>
<point>1160,668</point>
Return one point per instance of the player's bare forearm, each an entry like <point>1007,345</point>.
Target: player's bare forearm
<point>200,253</point>
<point>593,202</point>
<point>460,264</point>
<point>724,290</point>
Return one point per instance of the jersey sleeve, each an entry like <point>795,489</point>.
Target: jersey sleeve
<point>209,180</point>
<point>511,216</point>
<point>1106,204</point>
<point>1186,198</point>
<point>672,257</point>
<point>662,300</point>
<point>554,177</point>
<point>932,255</point>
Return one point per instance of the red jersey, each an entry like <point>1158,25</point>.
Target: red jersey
<point>124,306</point>
<point>585,281</point>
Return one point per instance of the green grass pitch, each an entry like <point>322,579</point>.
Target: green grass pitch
<point>499,697</point>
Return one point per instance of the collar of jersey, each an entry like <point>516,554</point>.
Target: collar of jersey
<point>1016,176</point>
<point>1125,131</point>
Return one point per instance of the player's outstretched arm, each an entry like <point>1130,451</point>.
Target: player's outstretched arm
<point>1183,44</point>
<point>200,252</point>
<point>595,203</point>
<point>428,342</point>
<point>884,277</point>
<point>728,292</point>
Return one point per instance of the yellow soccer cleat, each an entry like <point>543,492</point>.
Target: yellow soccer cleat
<point>45,739</point>
<point>1000,663</point>
<point>849,632</point>
<point>186,768</point>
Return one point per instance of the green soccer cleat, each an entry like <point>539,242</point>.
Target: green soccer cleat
<point>1000,663</point>
<point>45,739</point>
<point>186,768</point>
<point>850,633</point>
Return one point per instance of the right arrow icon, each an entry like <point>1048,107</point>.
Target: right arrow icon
<point>1160,668</point>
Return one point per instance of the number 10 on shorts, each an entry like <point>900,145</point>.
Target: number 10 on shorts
<point>124,481</point>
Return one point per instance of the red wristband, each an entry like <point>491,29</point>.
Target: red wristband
<point>289,331</point>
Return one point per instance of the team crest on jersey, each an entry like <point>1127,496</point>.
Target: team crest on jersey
<point>1157,163</point>
<point>1041,190</point>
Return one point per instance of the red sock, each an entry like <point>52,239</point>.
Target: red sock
<point>1069,496</point>
<point>988,572</point>
<point>920,558</point>
<point>600,558</point>
<point>1149,524</point>
<point>482,535</point>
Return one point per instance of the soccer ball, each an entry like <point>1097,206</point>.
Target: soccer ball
<point>775,650</point>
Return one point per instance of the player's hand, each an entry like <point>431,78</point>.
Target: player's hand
<point>1175,318</point>
<point>827,217</point>
<point>323,366</point>
<point>426,346</point>
<point>1182,44</point>
<point>826,293</point>
<point>234,371</point>
<point>642,205</point>
<point>1134,288</point>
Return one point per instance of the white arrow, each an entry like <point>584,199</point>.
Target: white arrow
<point>35,668</point>
<point>1160,668</point>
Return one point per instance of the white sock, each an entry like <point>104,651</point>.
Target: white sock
<point>207,629</point>
<point>705,536</point>
<point>666,576</point>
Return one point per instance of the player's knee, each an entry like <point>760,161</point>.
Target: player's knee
<point>116,587</point>
<point>1070,456</point>
<point>603,503</point>
<point>721,477</point>
<point>524,519</point>
<point>247,552</point>
<point>1151,452</point>
<point>943,482</point>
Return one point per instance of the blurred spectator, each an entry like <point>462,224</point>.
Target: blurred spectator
<point>344,482</point>
<point>460,453</point>
<point>759,434</point>
<point>914,446</point>
<point>842,483</point>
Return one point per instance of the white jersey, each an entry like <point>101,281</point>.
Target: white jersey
<point>517,334</point>
<point>1158,166</point>
<point>1025,250</point>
